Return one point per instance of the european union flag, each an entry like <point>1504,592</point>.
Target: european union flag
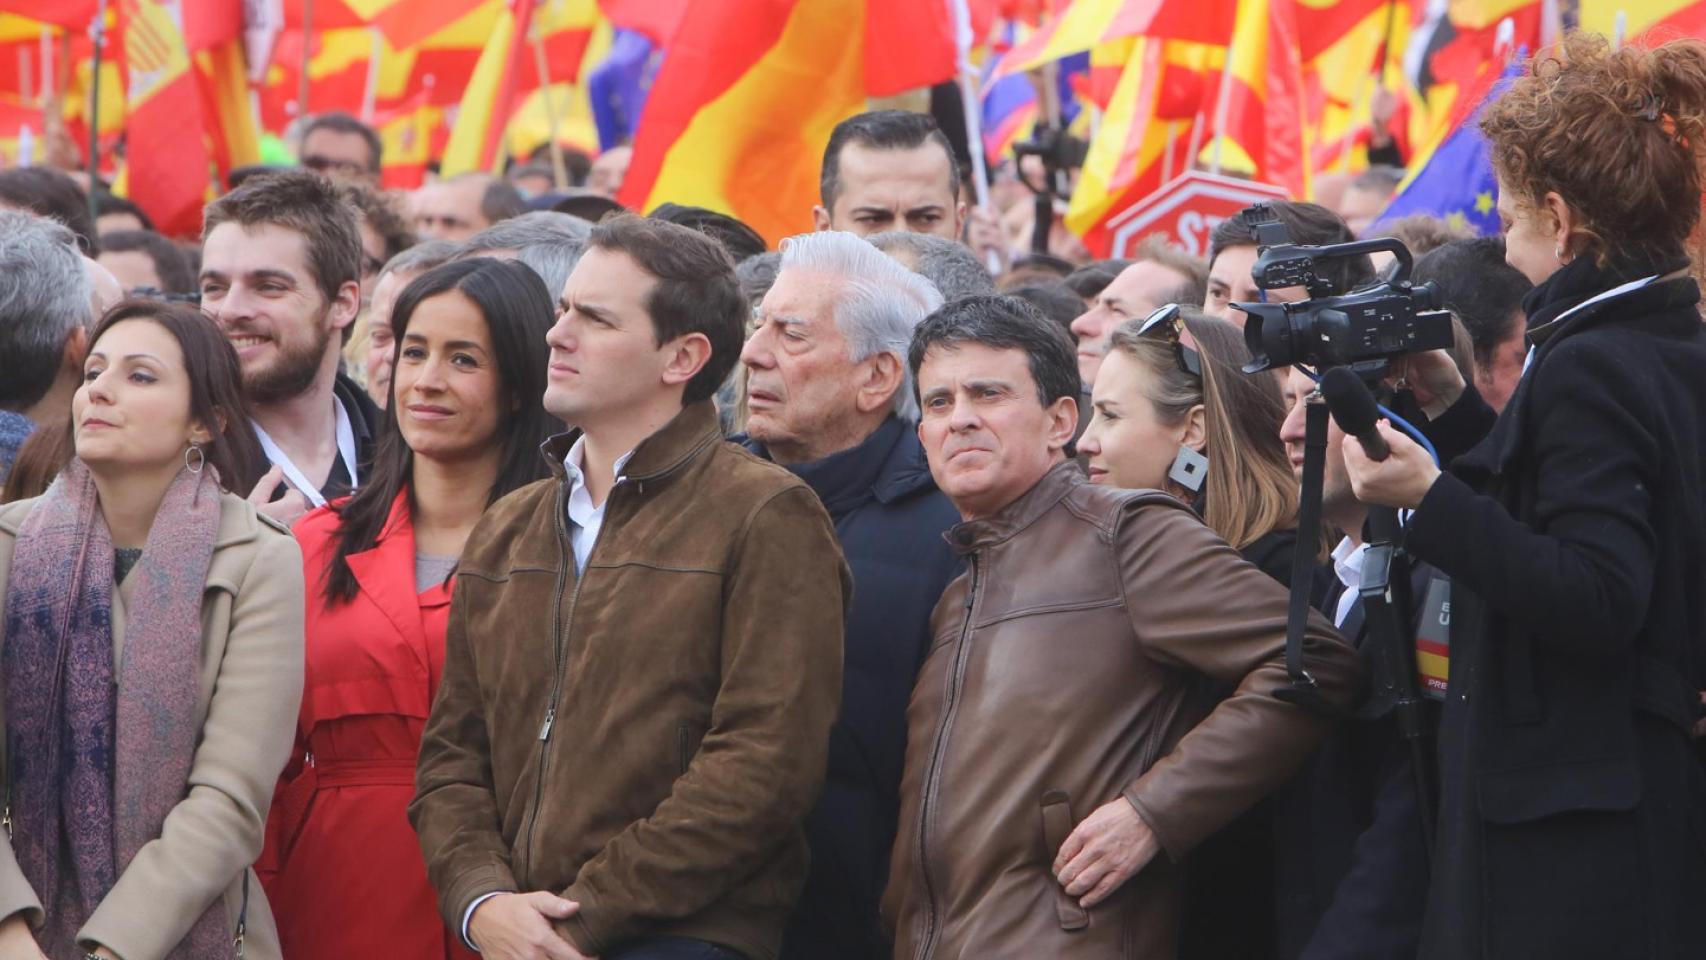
<point>1455,181</point>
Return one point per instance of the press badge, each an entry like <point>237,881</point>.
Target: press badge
<point>1433,639</point>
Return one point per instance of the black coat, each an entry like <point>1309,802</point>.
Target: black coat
<point>1573,805</point>
<point>890,519</point>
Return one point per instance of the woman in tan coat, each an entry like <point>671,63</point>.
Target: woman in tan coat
<point>150,664</point>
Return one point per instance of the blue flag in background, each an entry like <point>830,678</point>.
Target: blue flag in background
<point>618,87</point>
<point>1454,180</point>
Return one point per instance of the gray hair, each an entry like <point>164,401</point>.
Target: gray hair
<point>549,242</point>
<point>44,295</point>
<point>950,265</point>
<point>423,257</point>
<point>757,274</point>
<point>879,302</point>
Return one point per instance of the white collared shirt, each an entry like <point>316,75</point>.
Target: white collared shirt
<point>1347,566</point>
<point>586,520</point>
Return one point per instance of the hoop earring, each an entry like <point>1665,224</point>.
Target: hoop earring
<point>199,461</point>
<point>1559,254</point>
<point>1189,469</point>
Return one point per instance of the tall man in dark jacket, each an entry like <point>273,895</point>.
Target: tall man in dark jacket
<point>644,652</point>
<point>1064,749</point>
<point>830,398</point>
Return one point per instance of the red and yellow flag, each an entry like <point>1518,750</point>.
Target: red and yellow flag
<point>750,89</point>
<point>476,137</point>
<point>407,134</point>
<point>169,165</point>
<point>405,23</point>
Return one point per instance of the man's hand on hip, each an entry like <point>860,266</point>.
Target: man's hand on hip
<point>1103,852</point>
<point>517,926</point>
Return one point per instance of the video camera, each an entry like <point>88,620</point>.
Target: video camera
<point>1362,329</point>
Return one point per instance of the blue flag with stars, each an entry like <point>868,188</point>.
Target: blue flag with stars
<point>1455,180</point>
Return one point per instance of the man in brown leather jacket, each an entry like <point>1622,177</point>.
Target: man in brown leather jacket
<point>643,659</point>
<point>1065,745</point>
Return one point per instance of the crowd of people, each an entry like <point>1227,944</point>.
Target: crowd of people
<point>463,574</point>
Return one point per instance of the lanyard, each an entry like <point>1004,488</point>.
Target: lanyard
<point>294,476</point>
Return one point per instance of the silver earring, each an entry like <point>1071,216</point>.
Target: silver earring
<point>195,463</point>
<point>1559,253</point>
<point>1189,469</point>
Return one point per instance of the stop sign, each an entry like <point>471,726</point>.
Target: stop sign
<point>1186,211</point>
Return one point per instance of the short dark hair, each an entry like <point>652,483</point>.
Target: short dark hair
<point>575,162</point>
<point>1056,300</point>
<point>49,193</point>
<point>1476,284</point>
<point>740,240</point>
<point>307,203</point>
<point>1309,224</point>
<point>696,290</point>
<point>169,260</point>
<point>1090,280</point>
<point>216,385</point>
<point>1003,322</point>
<point>107,202</point>
<point>882,130</point>
<point>501,201</point>
<point>378,212</point>
<point>339,122</point>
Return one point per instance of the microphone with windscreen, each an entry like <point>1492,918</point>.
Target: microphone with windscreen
<point>1354,410</point>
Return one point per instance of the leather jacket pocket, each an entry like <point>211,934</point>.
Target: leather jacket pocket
<point>1057,826</point>
<point>687,738</point>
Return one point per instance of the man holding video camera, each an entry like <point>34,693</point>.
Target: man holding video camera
<point>1573,800</point>
<point>1350,849</point>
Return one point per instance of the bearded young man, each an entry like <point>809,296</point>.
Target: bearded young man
<point>281,269</point>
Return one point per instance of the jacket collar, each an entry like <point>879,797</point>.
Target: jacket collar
<point>974,535</point>
<point>386,575</point>
<point>1664,304</point>
<point>676,442</point>
<point>888,465</point>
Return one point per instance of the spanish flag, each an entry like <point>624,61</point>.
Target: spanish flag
<point>749,91</point>
<point>1086,23</point>
<point>1647,21</point>
<point>1152,118</point>
<point>405,23</point>
<point>476,138</point>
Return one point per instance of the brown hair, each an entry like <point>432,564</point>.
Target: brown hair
<point>1250,491</point>
<point>1619,134</point>
<point>304,202</point>
<point>216,386</point>
<point>43,455</point>
<point>696,290</point>
<point>1156,249</point>
<point>380,212</point>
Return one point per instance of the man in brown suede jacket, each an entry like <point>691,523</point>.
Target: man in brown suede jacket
<point>644,652</point>
<point>1065,748</point>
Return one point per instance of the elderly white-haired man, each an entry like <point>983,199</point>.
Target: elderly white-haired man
<point>830,397</point>
<point>45,316</point>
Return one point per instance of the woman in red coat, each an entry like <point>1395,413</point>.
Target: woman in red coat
<point>341,867</point>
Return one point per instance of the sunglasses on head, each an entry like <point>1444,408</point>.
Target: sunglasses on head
<point>1166,323</point>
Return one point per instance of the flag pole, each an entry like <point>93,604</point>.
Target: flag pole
<point>973,102</point>
<point>1222,105</point>
<point>559,168</point>
<point>370,94</point>
<point>97,34</point>
<point>307,57</point>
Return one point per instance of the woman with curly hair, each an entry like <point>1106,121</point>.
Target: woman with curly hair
<point>1572,815</point>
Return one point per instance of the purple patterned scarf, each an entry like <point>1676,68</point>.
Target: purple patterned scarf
<point>96,765</point>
